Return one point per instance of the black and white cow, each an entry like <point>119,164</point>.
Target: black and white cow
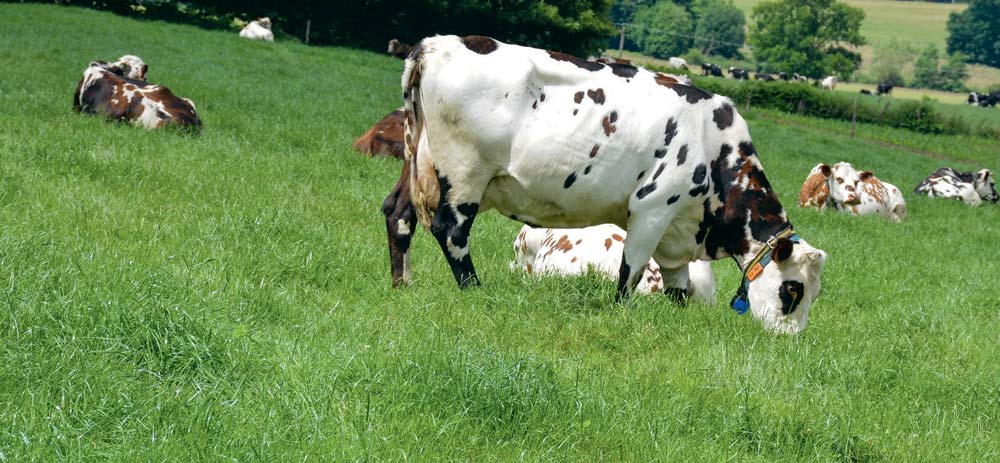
<point>553,140</point>
<point>763,76</point>
<point>970,188</point>
<point>796,77</point>
<point>984,99</point>
<point>884,88</point>
<point>107,89</point>
<point>739,73</point>
<point>709,69</point>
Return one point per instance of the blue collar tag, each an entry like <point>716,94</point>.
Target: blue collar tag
<point>741,302</point>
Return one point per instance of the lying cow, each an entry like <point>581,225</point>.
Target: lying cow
<point>384,138</point>
<point>576,251</point>
<point>399,49</point>
<point>137,68</point>
<point>677,63</point>
<point>970,188</point>
<point>843,188</point>
<point>106,89</point>
<point>570,143</point>
<point>259,29</point>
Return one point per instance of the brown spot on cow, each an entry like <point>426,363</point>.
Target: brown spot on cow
<point>563,244</point>
<point>578,62</point>
<point>617,237</point>
<point>596,95</point>
<point>578,242</point>
<point>577,98</point>
<point>593,151</point>
<point>528,268</point>
<point>607,244</point>
<point>573,260</point>
<point>480,44</point>
<point>815,191</point>
<point>665,80</point>
<point>608,123</point>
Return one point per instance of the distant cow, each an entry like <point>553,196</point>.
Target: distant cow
<point>976,97</point>
<point>385,137</point>
<point>984,99</point>
<point>106,89</point>
<point>884,88</point>
<point>709,69</point>
<point>576,251</point>
<point>845,189</point>
<point>570,143</point>
<point>865,91</point>
<point>796,77</point>
<point>783,76</point>
<point>678,63</point>
<point>970,188</point>
<point>259,29</point>
<point>739,73</point>
<point>764,77</point>
<point>829,83</point>
<point>399,49</point>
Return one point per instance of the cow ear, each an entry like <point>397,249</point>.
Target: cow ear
<point>865,175</point>
<point>826,170</point>
<point>782,250</point>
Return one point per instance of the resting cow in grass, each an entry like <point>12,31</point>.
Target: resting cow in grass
<point>106,89</point>
<point>259,29</point>
<point>968,187</point>
<point>385,137</point>
<point>843,188</point>
<point>576,251</point>
<point>557,141</point>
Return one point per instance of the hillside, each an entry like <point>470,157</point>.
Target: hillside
<point>169,297</point>
<point>914,22</point>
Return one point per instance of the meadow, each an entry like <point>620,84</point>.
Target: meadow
<point>226,296</point>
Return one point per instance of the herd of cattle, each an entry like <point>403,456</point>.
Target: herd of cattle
<point>613,169</point>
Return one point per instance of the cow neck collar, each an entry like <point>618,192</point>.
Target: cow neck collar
<point>755,266</point>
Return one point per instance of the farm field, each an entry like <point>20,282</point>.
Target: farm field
<point>918,23</point>
<point>226,296</point>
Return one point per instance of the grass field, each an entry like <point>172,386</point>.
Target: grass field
<point>226,296</point>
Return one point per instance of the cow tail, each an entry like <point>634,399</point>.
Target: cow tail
<point>413,130</point>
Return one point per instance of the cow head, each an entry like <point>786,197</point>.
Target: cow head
<point>132,67</point>
<point>844,183</point>
<point>264,22</point>
<point>986,186</point>
<point>780,297</point>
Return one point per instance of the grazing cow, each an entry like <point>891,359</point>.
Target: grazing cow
<point>858,193</point>
<point>709,69</point>
<point>989,100</point>
<point>865,91</point>
<point>399,49</point>
<point>739,73</point>
<point>796,77</point>
<point>106,89</point>
<point>783,76</point>
<point>259,29</point>
<point>829,83</point>
<point>976,97</point>
<point>970,188</point>
<point>764,77</point>
<point>385,137</point>
<point>575,251</point>
<point>571,143</point>
<point>677,63</point>
<point>884,88</point>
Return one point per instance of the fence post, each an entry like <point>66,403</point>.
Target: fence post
<point>854,117</point>
<point>749,92</point>
<point>308,23</point>
<point>621,42</point>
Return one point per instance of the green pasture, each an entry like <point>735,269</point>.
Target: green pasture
<point>226,296</point>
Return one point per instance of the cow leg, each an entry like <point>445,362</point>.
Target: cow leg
<point>400,224</point>
<point>644,233</point>
<point>675,282</point>
<point>451,226</point>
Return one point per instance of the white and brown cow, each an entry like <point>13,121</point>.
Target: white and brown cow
<point>106,89</point>
<point>576,251</point>
<point>551,139</point>
<point>968,187</point>
<point>259,29</point>
<point>843,188</point>
<point>384,138</point>
<point>399,49</point>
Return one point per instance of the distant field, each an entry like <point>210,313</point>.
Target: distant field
<point>918,23</point>
<point>226,297</point>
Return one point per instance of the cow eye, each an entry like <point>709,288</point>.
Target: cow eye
<point>790,293</point>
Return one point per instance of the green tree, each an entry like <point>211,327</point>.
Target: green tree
<point>719,28</point>
<point>807,36</point>
<point>662,30</point>
<point>890,58</point>
<point>925,70</point>
<point>954,73</point>
<point>976,32</point>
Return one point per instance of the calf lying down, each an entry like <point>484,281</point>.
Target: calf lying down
<point>843,188</point>
<point>107,89</point>
<point>576,251</point>
<point>970,188</point>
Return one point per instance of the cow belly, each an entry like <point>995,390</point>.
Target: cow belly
<point>518,200</point>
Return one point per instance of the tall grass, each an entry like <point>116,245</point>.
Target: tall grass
<point>226,296</point>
